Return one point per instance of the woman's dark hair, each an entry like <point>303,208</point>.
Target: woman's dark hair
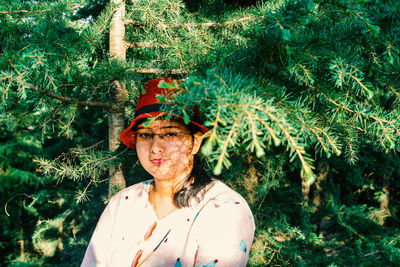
<point>197,184</point>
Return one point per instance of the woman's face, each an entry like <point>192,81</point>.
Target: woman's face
<point>166,149</point>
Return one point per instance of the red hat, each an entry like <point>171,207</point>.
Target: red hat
<point>148,105</point>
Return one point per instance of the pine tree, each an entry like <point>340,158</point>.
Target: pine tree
<point>291,90</point>
<point>47,72</point>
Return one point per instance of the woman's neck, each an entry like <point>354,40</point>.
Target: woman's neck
<point>162,192</point>
<point>166,188</point>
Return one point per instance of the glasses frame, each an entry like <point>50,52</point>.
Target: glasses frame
<point>160,135</point>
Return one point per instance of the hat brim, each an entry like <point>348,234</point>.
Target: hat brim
<point>127,136</point>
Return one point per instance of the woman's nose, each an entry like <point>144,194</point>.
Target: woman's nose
<point>157,144</point>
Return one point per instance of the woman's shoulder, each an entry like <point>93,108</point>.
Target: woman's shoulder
<point>221,196</point>
<point>135,191</point>
<point>225,210</point>
<point>219,191</point>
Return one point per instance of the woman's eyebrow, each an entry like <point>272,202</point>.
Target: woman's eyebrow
<point>165,127</point>
<point>171,127</point>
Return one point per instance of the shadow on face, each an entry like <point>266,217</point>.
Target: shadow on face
<point>166,148</point>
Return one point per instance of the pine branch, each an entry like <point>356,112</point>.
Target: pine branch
<point>70,100</point>
<point>78,164</point>
<point>318,136</point>
<point>134,22</point>
<point>145,44</point>
<point>277,141</point>
<point>393,124</point>
<point>82,195</point>
<point>330,140</point>
<point>259,150</point>
<point>306,166</point>
<point>316,130</point>
<point>23,11</point>
<point>202,24</point>
<point>351,110</point>
<point>217,24</point>
<point>17,195</point>
<point>394,91</point>
<point>33,11</point>
<point>386,134</point>
<point>352,151</point>
<point>223,155</point>
<point>161,71</point>
<point>358,81</point>
<point>212,135</point>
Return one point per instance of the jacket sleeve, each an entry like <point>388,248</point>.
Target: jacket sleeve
<point>225,231</point>
<point>96,252</point>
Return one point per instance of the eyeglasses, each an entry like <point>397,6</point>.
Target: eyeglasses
<point>168,137</point>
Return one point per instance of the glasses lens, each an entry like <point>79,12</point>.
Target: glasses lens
<point>168,137</point>
<point>171,137</point>
<point>143,137</point>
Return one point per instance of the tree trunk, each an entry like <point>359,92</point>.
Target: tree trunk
<point>323,171</point>
<point>22,245</point>
<point>117,31</point>
<point>116,118</point>
<point>384,199</point>
<point>305,189</point>
<point>60,234</point>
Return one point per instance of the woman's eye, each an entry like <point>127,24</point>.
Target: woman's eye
<point>145,135</point>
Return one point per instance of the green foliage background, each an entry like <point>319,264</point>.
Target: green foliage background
<point>302,99</point>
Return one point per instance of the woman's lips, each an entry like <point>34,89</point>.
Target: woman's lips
<point>158,161</point>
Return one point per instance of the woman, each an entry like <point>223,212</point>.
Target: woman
<point>181,217</point>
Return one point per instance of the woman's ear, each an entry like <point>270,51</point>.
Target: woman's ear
<point>197,139</point>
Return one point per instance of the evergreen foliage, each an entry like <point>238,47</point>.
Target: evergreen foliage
<point>301,96</point>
